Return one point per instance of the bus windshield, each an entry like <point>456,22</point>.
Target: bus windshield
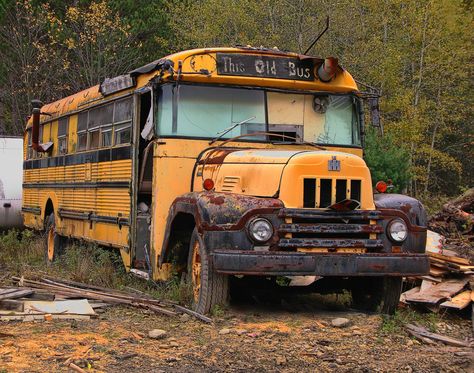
<point>205,111</point>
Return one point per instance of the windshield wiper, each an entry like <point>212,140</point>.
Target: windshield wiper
<point>296,142</point>
<point>222,133</point>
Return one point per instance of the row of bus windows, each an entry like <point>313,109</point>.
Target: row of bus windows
<point>104,126</point>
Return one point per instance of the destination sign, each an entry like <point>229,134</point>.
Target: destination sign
<point>265,66</point>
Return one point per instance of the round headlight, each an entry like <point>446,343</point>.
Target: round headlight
<point>397,230</point>
<point>260,230</point>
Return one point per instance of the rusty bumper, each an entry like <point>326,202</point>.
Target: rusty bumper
<point>294,263</point>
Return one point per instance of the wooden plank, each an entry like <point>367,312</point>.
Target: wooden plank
<point>10,290</point>
<point>436,337</point>
<point>431,279</point>
<point>426,285</point>
<point>448,258</point>
<point>404,295</point>
<point>459,302</point>
<point>436,272</point>
<point>438,292</point>
<point>13,305</point>
<point>451,259</point>
<point>17,294</point>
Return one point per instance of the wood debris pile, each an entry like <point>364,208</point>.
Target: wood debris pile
<point>450,283</point>
<point>455,222</point>
<point>50,298</point>
<point>450,246</point>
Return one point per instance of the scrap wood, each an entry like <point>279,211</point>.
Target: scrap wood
<point>403,296</point>
<point>75,368</point>
<point>17,293</point>
<point>193,313</point>
<point>449,258</point>
<point>459,302</point>
<point>438,292</point>
<point>436,337</point>
<point>420,337</point>
<point>112,297</point>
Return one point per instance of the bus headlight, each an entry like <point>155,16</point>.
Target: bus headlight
<point>260,230</point>
<point>397,230</point>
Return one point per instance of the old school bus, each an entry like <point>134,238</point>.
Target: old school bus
<point>221,162</point>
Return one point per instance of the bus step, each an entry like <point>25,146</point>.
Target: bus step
<point>140,273</point>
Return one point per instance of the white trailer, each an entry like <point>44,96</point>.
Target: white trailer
<point>11,179</point>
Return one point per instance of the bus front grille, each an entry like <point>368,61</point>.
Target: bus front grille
<point>330,230</point>
<point>323,192</point>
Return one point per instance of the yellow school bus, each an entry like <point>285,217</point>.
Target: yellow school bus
<point>220,163</point>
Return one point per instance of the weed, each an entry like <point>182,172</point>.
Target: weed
<point>395,323</point>
<point>92,264</point>
<point>217,311</point>
<point>20,249</point>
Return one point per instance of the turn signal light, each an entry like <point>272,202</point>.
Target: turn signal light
<point>381,186</point>
<point>208,184</point>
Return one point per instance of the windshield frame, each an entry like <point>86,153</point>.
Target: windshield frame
<point>357,107</point>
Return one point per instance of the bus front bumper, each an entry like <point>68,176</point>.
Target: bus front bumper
<point>282,263</point>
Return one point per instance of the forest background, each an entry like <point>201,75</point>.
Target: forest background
<point>417,53</point>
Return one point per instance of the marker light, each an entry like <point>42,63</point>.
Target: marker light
<point>208,184</point>
<point>327,70</point>
<point>381,186</point>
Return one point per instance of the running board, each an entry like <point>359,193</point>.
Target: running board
<point>140,273</point>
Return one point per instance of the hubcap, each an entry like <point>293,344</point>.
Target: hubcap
<point>50,244</point>
<point>196,271</point>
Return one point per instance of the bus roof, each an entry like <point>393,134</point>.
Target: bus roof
<point>239,66</point>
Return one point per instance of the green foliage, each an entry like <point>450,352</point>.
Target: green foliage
<point>396,323</point>
<point>91,264</point>
<point>387,160</point>
<point>417,53</point>
<point>19,250</point>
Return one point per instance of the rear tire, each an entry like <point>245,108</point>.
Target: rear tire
<point>209,287</point>
<point>54,245</point>
<point>376,294</point>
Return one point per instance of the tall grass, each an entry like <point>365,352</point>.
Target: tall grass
<point>22,254</point>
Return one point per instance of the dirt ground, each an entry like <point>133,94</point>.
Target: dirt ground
<point>295,336</point>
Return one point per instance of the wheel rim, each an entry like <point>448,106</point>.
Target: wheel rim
<point>50,244</point>
<point>196,271</point>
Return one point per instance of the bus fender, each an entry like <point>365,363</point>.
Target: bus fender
<point>214,211</point>
<point>413,210</point>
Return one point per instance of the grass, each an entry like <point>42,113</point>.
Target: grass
<point>395,323</point>
<point>22,254</point>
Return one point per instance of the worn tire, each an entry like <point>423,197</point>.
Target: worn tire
<point>376,294</point>
<point>214,287</point>
<point>54,243</point>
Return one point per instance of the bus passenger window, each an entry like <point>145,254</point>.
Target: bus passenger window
<point>106,136</point>
<point>94,138</point>
<point>123,121</point>
<point>82,131</point>
<point>29,150</point>
<point>63,125</point>
<point>122,134</point>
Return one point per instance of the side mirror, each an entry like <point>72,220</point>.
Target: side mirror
<point>374,112</point>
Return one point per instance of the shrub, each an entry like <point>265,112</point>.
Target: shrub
<point>387,160</point>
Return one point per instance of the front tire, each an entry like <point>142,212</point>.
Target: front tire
<point>54,245</point>
<point>376,294</point>
<point>209,288</point>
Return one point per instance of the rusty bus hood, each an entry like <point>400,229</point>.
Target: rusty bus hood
<point>281,173</point>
